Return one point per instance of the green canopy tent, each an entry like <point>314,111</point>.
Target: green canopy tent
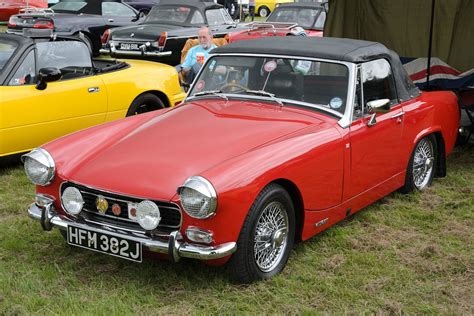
<point>412,28</point>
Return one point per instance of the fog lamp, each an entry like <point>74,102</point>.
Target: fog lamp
<point>148,215</point>
<point>72,200</point>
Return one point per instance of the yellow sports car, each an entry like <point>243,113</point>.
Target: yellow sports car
<point>50,86</point>
<point>265,7</point>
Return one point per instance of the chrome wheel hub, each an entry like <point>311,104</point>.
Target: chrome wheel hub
<point>271,236</point>
<point>423,162</point>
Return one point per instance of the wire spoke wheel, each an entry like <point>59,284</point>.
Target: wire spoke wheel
<point>271,236</point>
<point>423,162</point>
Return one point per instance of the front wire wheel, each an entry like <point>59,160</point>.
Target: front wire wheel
<point>266,237</point>
<point>271,236</point>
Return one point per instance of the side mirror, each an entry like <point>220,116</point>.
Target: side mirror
<point>379,106</point>
<point>45,75</point>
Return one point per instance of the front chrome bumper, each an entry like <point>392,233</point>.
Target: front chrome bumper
<point>119,52</point>
<point>175,247</point>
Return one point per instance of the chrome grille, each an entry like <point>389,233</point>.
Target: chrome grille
<point>170,212</point>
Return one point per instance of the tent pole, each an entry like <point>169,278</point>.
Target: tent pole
<point>428,70</point>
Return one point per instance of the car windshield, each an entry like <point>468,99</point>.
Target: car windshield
<point>218,17</point>
<point>7,48</point>
<point>170,14</point>
<point>281,80</point>
<point>67,54</point>
<point>304,17</point>
<point>69,5</point>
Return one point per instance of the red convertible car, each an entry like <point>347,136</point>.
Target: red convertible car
<point>11,7</point>
<point>277,140</point>
<point>287,19</point>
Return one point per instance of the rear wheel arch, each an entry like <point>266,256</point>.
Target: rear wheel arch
<point>162,98</point>
<point>440,170</point>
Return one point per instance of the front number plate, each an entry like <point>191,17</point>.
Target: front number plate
<point>108,244</point>
<point>128,46</point>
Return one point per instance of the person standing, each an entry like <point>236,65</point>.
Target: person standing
<point>252,9</point>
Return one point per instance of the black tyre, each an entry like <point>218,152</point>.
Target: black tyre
<point>145,103</point>
<point>266,237</point>
<point>263,11</point>
<point>422,165</point>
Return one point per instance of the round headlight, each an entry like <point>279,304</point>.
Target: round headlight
<point>198,197</point>
<point>72,200</point>
<point>148,215</point>
<point>39,166</point>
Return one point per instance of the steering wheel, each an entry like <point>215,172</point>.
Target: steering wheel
<point>232,85</point>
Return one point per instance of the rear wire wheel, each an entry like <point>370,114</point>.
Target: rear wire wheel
<point>145,103</point>
<point>266,237</point>
<point>421,167</point>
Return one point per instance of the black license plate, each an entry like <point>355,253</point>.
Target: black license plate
<point>129,46</point>
<point>108,244</point>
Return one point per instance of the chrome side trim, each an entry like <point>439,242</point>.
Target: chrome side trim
<point>133,53</point>
<point>175,244</point>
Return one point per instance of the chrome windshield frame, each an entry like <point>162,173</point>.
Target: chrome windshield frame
<point>344,119</point>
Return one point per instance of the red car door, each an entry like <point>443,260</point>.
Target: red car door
<point>376,149</point>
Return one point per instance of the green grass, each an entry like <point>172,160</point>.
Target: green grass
<point>404,254</point>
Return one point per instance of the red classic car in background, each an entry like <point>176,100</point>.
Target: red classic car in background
<point>287,19</point>
<point>278,139</point>
<point>11,7</point>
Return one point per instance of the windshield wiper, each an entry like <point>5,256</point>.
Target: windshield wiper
<point>217,93</point>
<point>266,94</point>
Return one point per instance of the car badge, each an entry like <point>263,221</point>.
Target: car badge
<point>132,35</point>
<point>116,209</point>
<point>101,204</point>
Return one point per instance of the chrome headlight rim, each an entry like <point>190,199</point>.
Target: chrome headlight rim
<point>43,157</point>
<point>204,187</point>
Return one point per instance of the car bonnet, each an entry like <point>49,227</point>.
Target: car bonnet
<point>154,158</point>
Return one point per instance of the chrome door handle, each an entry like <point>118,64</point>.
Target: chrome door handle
<point>110,20</point>
<point>93,90</point>
<point>398,115</point>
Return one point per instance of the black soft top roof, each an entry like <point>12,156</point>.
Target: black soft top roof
<point>21,40</point>
<point>91,7</point>
<point>198,4</point>
<point>338,49</point>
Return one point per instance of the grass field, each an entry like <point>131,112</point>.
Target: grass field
<point>405,254</point>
